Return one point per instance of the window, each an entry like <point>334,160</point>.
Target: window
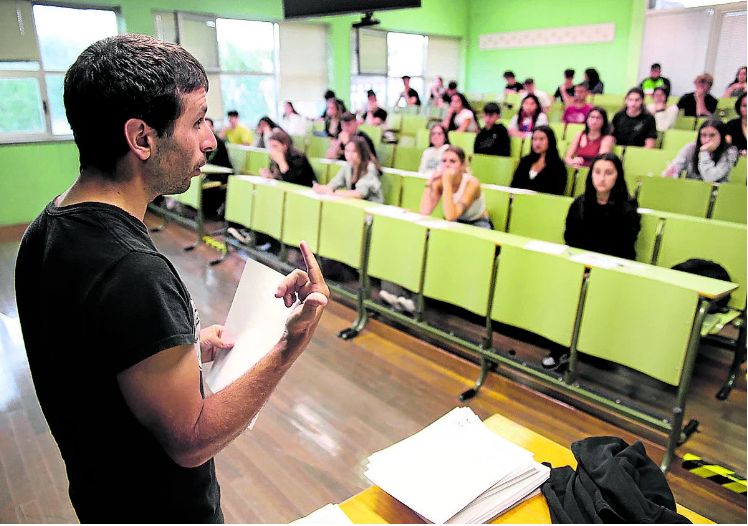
<point>253,76</point>
<point>37,46</point>
<point>380,59</point>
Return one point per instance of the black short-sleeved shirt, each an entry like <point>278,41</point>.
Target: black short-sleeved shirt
<point>734,129</point>
<point>688,104</point>
<point>633,131</point>
<point>514,87</point>
<point>95,297</point>
<point>379,112</point>
<point>569,92</point>
<point>492,141</point>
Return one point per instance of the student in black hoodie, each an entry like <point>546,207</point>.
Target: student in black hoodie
<point>542,170</point>
<point>493,139</point>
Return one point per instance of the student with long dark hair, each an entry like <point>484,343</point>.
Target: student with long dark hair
<point>594,140</point>
<point>529,116</point>
<point>286,162</point>
<point>710,158</point>
<point>604,219</point>
<point>736,128</point>
<point>265,127</point>
<point>460,116</point>
<point>359,177</point>
<point>542,170</point>
<point>592,79</point>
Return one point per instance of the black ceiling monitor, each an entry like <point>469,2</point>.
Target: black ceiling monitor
<point>309,8</point>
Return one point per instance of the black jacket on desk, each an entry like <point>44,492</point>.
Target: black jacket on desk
<point>608,229</point>
<point>492,141</point>
<point>550,180</point>
<point>613,483</point>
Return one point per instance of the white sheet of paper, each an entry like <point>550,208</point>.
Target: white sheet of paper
<point>255,322</point>
<point>595,260</point>
<point>328,514</point>
<point>544,246</point>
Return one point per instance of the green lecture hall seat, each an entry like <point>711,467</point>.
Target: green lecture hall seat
<point>539,216</point>
<point>341,231</point>
<point>515,147</point>
<point>647,238</point>
<point>301,218</point>
<point>258,159</point>
<point>739,172</point>
<point>392,184</point>
<point>239,199</point>
<point>680,196</point>
<point>684,123</point>
<point>571,131</point>
<point>537,292</point>
<point>459,267</point>
<point>192,196</point>
<point>407,158</point>
<point>320,169</point>
<point>580,181</point>
<point>299,142</point>
<point>465,140</point>
<point>730,204</point>
<point>558,129</point>
<point>423,138</point>
<point>413,123</point>
<point>238,157</point>
<point>673,140</point>
<point>317,146</point>
<point>497,205</point>
<point>402,237</point>
<point>394,121</point>
<point>652,337</point>
<point>385,154</point>
<point>374,133</point>
<point>493,169</point>
<point>267,213</point>
<point>646,161</point>
<point>719,241</point>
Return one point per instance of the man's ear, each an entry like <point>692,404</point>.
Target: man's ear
<point>139,138</point>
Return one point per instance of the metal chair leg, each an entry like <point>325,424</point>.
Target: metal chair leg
<point>485,367</point>
<point>737,361</point>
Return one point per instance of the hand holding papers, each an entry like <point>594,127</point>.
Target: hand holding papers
<point>456,471</point>
<point>258,318</point>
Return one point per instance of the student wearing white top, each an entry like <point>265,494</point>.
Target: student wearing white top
<point>545,100</point>
<point>460,116</point>
<point>432,156</point>
<point>292,123</point>
<point>665,115</point>
<point>529,117</point>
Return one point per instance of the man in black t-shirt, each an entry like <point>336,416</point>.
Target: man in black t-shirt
<point>451,90</point>
<point>699,103</point>
<point>409,94</point>
<point>511,83</point>
<point>493,139</point>
<point>374,115</point>
<point>112,336</point>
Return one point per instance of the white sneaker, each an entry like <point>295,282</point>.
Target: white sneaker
<point>407,304</point>
<point>390,299</point>
<point>237,235</point>
<point>549,361</point>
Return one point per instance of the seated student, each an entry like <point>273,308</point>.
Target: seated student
<point>605,218</point>
<point>219,156</point>
<point>699,103</point>
<point>358,177</point>
<point>330,95</point>
<point>409,95</point>
<point>459,192</point>
<point>594,140</point>
<point>265,127</point>
<point>577,108</point>
<point>592,81</point>
<point>665,114</point>
<point>493,139</point>
<point>736,130</point>
<point>431,157</point>
<point>512,86</point>
<point>633,125</point>
<point>333,116</point>
<point>446,99</point>
<point>374,115</point>
<point>655,80</point>
<point>349,128</point>
<point>565,92</point>
<point>529,89</point>
<point>236,132</point>
<point>286,162</point>
<point>541,170</point>
<point>436,91</point>
<point>710,158</point>
<point>529,116</point>
<point>737,86</point>
<point>291,122</point>
<point>460,116</point>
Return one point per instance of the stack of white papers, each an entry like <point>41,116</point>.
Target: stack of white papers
<point>456,470</point>
<point>328,514</point>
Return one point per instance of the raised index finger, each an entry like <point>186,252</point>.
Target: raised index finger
<point>312,267</point>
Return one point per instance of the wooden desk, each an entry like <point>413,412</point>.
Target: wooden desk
<point>374,506</point>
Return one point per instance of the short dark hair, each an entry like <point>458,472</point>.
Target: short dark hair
<point>329,94</point>
<point>232,113</point>
<point>405,77</point>
<point>348,117</point>
<point>509,73</point>
<point>492,108</point>
<point>121,78</point>
<point>569,73</point>
<point>656,65</point>
<point>370,93</point>
<point>529,81</point>
<point>452,85</point>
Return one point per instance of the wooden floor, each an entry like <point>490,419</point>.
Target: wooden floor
<point>340,402</point>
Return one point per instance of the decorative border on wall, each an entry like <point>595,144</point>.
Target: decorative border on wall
<point>554,36</point>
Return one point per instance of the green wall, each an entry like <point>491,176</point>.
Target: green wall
<point>616,61</point>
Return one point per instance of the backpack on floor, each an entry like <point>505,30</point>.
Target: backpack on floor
<point>709,269</point>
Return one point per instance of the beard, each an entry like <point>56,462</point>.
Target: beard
<point>172,169</point>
